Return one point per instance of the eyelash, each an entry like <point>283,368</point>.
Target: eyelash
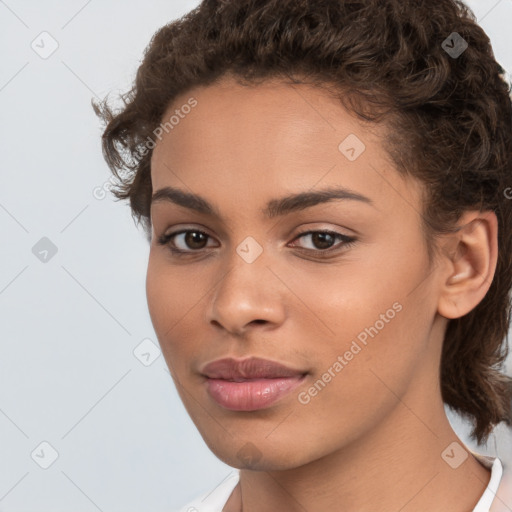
<point>348,241</point>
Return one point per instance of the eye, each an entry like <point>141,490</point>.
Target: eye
<point>194,241</point>
<point>322,241</point>
<point>189,239</point>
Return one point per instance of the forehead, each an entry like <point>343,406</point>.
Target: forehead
<point>270,137</point>
<point>265,108</point>
<point>296,120</point>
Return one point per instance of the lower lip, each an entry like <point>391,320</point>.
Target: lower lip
<point>251,395</point>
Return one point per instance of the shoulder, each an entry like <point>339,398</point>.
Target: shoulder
<point>215,499</point>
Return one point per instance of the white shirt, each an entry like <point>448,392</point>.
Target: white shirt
<point>497,497</point>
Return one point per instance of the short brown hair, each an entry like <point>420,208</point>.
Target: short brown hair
<point>449,118</point>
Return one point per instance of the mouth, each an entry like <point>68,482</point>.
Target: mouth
<point>251,394</point>
<point>249,384</point>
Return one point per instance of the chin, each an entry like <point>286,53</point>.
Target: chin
<point>257,455</point>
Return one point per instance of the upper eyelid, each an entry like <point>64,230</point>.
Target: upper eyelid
<point>200,227</point>
<point>306,231</point>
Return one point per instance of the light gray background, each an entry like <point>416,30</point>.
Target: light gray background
<point>69,326</point>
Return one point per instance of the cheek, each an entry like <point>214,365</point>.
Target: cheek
<point>381,333</point>
<point>389,273</point>
<point>339,302</point>
<point>159,296</point>
<point>372,311</point>
<point>169,301</point>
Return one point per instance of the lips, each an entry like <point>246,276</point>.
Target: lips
<point>249,384</point>
<point>251,368</point>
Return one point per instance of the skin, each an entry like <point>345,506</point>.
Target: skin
<point>372,439</point>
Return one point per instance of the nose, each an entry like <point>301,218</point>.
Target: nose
<point>248,295</point>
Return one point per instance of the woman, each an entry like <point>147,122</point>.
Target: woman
<point>324,187</point>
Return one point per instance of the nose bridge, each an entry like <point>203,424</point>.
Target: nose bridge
<point>246,272</point>
<point>247,290</point>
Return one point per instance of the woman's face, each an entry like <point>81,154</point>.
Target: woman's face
<point>353,311</point>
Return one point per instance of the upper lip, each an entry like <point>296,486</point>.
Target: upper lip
<point>250,368</point>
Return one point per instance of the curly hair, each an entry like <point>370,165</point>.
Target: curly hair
<point>448,115</point>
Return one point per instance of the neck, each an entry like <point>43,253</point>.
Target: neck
<point>400,465</point>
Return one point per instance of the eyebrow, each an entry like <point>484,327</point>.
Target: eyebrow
<point>274,207</point>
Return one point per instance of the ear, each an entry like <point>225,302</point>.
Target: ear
<point>469,260</point>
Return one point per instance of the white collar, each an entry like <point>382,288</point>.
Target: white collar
<point>216,499</point>
<point>496,467</point>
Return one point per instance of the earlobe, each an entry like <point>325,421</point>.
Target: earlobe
<point>470,267</point>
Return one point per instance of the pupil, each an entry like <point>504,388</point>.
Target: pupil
<point>189,239</point>
<point>322,236</point>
